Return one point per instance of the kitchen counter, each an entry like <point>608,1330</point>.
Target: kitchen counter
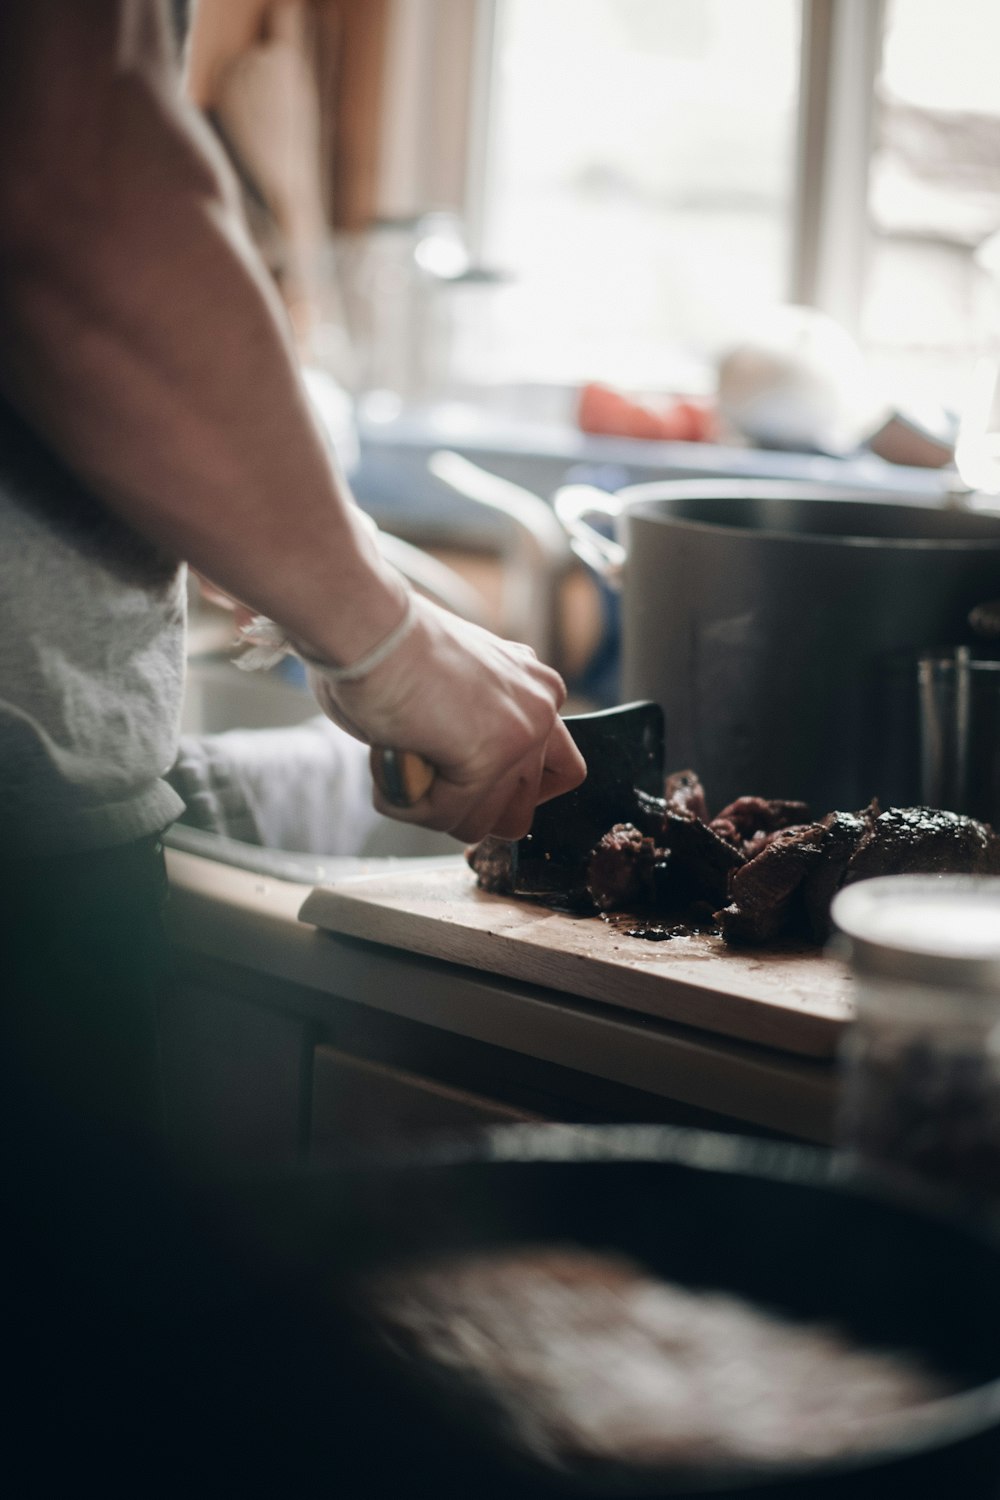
<point>276,1028</point>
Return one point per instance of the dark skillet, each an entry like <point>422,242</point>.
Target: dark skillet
<point>784,1226</point>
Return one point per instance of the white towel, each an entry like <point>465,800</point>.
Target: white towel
<point>305,789</point>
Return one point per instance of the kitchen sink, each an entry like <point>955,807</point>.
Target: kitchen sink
<point>218,697</point>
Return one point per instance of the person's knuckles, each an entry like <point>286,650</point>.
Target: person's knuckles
<point>506,802</point>
<point>514,824</point>
<point>514,806</point>
<point>474,824</point>
<point>465,812</point>
<point>417,814</point>
<point>440,809</point>
<point>493,749</point>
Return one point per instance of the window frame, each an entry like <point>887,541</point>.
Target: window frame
<point>432,85</point>
<point>840,59</point>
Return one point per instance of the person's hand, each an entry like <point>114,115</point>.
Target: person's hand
<point>482,711</point>
<point>211,593</point>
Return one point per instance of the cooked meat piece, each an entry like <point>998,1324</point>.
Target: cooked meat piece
<point>792,882</point>
<point>749,822</point>
<point>701,862</point>
<point>757,841</point>
<point>728,831</point>
<point>750,815</point>
<point>768,876</point>
<point>648,814</point>
<point>762,890</point>
<point>924,841</point>
<point>493,861</point>
<point>685,794</point>
<point>620,872</point>
<point>844,833</point>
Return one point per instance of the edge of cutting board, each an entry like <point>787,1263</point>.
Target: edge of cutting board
<point>792,999</point>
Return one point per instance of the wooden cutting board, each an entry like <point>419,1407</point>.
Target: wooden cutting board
<point>792,998</point>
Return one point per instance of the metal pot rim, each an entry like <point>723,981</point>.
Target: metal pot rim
<point>637,502</point>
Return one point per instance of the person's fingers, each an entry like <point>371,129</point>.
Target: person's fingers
<point>496,757</point>
<point>508,814</point>
<point>564,767</point>
<point>514,822</point>
<point>445,807</point>
<point>550,680</point>
<point>547,676</point>
<point>470,812</point>
<point>504,806</point>
<point>562,770</point>
<point>433,810</point>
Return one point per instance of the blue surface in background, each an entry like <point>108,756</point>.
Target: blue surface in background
<point>393,483</point>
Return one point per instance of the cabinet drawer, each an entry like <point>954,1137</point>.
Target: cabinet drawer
<point>357,1102</point>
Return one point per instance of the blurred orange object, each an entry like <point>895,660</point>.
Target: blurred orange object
<point>608,413</point>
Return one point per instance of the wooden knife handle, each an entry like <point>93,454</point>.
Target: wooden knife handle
<point>402,776</point>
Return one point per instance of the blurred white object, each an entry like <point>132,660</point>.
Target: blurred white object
<point>977,451</point>
<point>799,381</point>
<point>305,788</point>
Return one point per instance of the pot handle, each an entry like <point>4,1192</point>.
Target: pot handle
<point>606,557</point>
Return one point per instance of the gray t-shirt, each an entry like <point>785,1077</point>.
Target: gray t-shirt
<point>91,662</point>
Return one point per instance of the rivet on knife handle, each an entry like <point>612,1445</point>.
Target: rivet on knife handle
<point>402,776</point>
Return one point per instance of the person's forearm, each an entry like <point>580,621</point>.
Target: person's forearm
<point>139,334</point>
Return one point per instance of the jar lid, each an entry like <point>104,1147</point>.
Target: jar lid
<point>928,929</point>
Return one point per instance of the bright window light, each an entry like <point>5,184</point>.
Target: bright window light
<point>640,185</point>
<point>934,194</point>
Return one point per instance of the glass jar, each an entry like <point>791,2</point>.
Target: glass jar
<point>921,1063</point>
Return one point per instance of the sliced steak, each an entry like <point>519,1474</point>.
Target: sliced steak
<point>685,794</point>
<point>776,876</point>
<point>493,861</point>
<point>790,884</point>
<point>701,862</point>
<point>844,833</point>
<point>749,821</point>
<point>620,872</point>
<point>924,841</point>
<point>763,890</point>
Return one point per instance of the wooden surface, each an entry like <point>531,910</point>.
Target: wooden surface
<point>794,999</point>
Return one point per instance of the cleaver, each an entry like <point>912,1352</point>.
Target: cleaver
<point>623,748</point>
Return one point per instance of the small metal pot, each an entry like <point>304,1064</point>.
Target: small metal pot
<point>766,616</point>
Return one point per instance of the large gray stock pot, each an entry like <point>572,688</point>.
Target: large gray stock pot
<point>773,621</point>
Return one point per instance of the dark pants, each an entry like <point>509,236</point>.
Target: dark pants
<point>146,1346</point>
<point>84,955</point>
<point>158,1336</point>
<point>88,1218</point>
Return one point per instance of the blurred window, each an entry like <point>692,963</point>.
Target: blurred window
<point>639,182</point>
<point>934,191</point>
<point>654,175</point>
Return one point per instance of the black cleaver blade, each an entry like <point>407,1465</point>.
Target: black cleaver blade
<point>623,748</point>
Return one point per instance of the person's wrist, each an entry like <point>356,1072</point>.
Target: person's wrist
<point>370,661</point>
<point>368,611</point>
